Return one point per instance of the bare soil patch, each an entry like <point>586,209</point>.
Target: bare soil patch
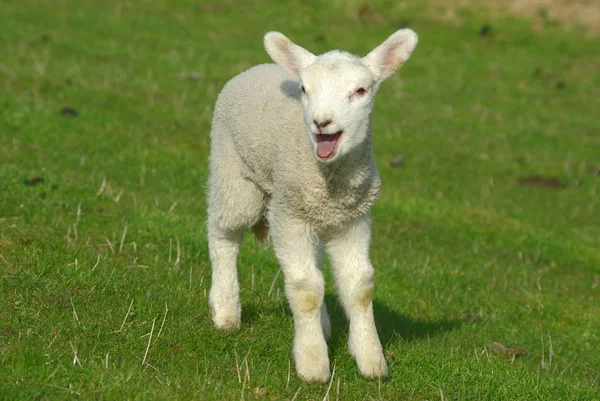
<point>542,182</point>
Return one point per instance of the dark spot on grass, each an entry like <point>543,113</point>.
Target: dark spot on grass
<point>397,162</point>
<point>68,82</point>
<point>403,23</point>
<point>560,85</point>
<point>364,11</point>
<point>175,345</point>
<point>320,38</point>
<point>191,76</point>
<point>368,14</point>
<point>542,182</point>
<point>544,73</point>
<point>259,390</point>
<point>469,317</point>
<point>486,30</point>
<point>211,7</point>
<point>33,181</point>
<point>68,112</point>
<point>502,350</point>
<point>8,330</point>
<point>520,159</point>
<point>44,37</point>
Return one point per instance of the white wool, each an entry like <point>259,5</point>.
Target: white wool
<point>260,114</point>
<point>291,150</point>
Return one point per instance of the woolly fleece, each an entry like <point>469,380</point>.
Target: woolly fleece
<point>260,150</point>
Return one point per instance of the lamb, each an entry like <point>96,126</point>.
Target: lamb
<point>291,158</point>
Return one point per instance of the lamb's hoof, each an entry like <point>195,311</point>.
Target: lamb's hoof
<point>373,366</point>
<point>312,362</point>
<point>225,309</point>
<point>227,323</point>
<point>369,358</point>
<point>226,318</point>
<point>314,374</point>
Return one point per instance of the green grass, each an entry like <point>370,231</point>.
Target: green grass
<point>106,210</point>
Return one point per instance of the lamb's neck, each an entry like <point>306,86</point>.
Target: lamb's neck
<point>354,170</point>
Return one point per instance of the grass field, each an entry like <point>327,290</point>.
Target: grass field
<point>488,232</point>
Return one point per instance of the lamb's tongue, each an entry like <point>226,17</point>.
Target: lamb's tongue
<point>326,145</point>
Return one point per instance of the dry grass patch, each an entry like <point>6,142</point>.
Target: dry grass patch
<point>567,12</point>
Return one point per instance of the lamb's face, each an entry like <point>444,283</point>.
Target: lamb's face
<point>338,88</point>
<point>337,94</point>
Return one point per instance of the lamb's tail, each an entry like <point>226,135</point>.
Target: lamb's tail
<point>261,232</point>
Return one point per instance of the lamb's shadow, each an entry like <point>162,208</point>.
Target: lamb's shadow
<point>391,325</point>
<point>291,89</point>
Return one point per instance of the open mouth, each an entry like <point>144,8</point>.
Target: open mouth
<point>327,144</point>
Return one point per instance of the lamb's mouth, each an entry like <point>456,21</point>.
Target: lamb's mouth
<point>327,144</point>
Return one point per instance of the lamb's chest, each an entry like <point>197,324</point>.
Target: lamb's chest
<point>326,208</point>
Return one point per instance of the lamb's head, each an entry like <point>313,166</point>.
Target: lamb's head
<point>338,88</point>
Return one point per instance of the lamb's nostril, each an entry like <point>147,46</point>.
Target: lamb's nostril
<point>322,124</point>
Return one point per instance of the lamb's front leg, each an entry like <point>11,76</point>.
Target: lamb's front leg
<point>297,250</point>
<point>349,252</point>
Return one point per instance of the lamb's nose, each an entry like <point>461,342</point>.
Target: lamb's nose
<point>322,124</point>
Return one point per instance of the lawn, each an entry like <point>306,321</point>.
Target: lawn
<point>487,231</point>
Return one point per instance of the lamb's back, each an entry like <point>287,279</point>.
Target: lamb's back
<point>259,110</point>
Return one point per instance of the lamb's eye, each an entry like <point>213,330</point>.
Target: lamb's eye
<point>303,90</point>
<point>361,91</point>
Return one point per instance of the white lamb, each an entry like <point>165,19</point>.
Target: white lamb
<point>291,155</point>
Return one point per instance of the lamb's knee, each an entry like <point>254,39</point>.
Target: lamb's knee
<point>357,293</point>
<point>364,298</point>
<point>305,297</point>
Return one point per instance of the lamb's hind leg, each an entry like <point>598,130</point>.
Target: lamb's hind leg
<point>235,204</point>
<point>349,252</point>
<point>224,296</point>
<point>297,251</point>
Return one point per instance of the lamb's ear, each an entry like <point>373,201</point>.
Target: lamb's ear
<point>389,56</point>
<point>287,54</point>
